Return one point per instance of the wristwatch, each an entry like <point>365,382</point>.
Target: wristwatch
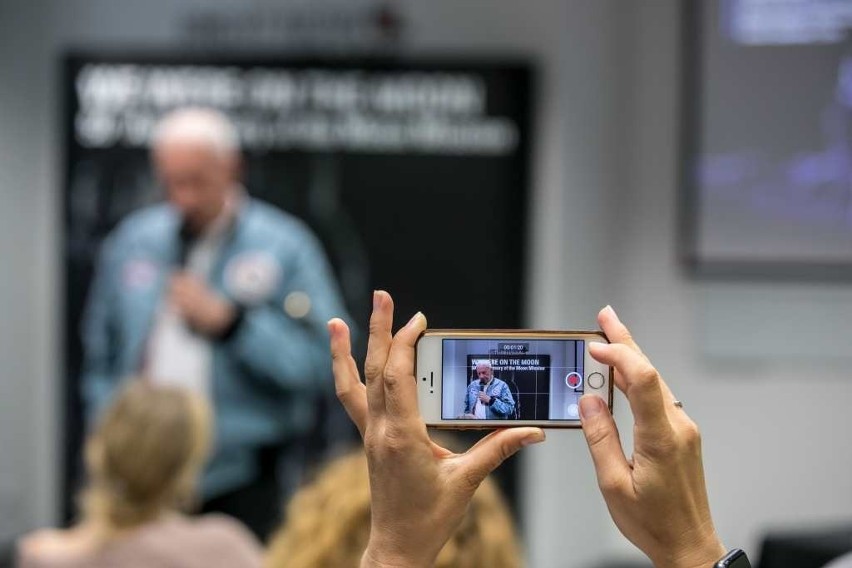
<point>734,559</point>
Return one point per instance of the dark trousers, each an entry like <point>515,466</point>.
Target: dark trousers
<point>259,504</point>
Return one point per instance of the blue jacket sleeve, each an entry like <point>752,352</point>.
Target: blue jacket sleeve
<point>468,407</point>
<point>504,403</point>
<point>99,378</point>
<point>287,351</point>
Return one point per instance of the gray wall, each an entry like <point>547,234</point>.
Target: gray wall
<point>28,257</point>
<point>604,231</point>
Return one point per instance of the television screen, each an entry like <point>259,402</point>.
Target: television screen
<point>767,121</point>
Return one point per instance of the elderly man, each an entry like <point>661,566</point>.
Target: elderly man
<point>221,294</point>
<point>488,398</point>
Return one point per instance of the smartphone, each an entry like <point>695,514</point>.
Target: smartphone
<point>497,378</point>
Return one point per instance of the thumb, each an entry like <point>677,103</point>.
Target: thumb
<point>494,449</point>
<point>601,434</point>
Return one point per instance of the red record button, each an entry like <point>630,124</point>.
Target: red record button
<point>574,380</point>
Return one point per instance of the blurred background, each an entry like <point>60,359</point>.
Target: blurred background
<point>689,163</point>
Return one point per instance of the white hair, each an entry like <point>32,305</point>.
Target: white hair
<point>197,125</point>
<point>484,363</point>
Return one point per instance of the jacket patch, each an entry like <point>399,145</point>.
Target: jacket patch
<point>139,273</point>
<point>252,277</point>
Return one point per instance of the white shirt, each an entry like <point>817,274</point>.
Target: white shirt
<point>176,354</point>
<point>479,407</point>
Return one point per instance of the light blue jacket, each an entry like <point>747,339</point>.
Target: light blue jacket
<point>267,375</point>
<point>502,402</point>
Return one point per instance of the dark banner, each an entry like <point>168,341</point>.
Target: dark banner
<point>413,173</point>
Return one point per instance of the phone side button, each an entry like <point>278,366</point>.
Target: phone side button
<point>595,380</point>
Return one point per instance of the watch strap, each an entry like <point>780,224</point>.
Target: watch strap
<point>734,559</point>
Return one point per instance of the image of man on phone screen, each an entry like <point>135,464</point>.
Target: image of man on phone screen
<point>488,398</point>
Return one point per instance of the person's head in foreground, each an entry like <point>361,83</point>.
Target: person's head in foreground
<point>143,461</point>
<point>196,156</point>
<point>145,455</point>
<point>328,524</point>
<point>420,490</point>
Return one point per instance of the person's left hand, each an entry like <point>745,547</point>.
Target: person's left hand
<point>204,310</point>
<point>419,491</point>
<point>484,398</point>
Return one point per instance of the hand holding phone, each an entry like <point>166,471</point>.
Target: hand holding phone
<point>419,491</point>
<point>658,498</point>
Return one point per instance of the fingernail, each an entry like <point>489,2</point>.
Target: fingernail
<point>536,438</point>
<point>377,300</point>
<point>414,319</point>
<point>614,314</point>
<point>597,345</point>
<point>590,406</point>
<point>609,311</point>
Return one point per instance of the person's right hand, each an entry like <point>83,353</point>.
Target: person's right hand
<point>419,491</point>
<point>202,308</point>
<point>658,498</point>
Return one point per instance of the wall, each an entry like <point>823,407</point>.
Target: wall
<point>28,346</point>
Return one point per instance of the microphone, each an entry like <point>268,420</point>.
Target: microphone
<point>185,238</point>
<point>481,386</point>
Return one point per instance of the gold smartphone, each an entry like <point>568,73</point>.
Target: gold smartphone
<point>498,378</point>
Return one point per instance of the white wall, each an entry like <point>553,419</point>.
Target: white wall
<point>604,232</point>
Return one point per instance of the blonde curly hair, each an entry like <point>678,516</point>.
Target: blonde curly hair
<point>328,524</point>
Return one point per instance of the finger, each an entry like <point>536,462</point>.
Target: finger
<point>179,302</point>
<point>378,347</point>
<point>669,399</point>
<point>181,294</point>
<point>182,280</point>
<point>399,380</point>
<point>494,449</point>
<point>616,331</point>
<point>640,383</point>
<point>611,465</point>
<point>347,383</point>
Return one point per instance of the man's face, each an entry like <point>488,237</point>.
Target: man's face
<point>197,179</point>
<point>484,373</point>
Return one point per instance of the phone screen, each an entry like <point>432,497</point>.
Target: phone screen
<point>508,379</point>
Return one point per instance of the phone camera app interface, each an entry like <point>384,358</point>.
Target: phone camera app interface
<point>497,379</point>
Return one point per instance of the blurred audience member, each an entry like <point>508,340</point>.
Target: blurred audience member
<point>328,524</point>
<point>222,294</point>
<point>143,461</point>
